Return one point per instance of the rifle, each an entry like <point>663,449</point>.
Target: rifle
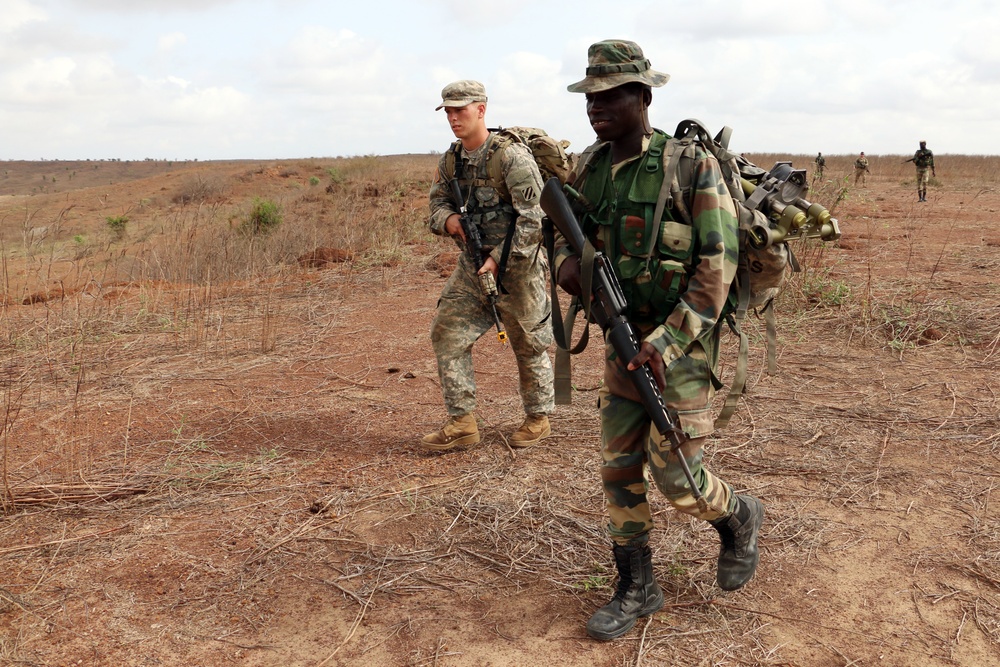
<point>910,160</point>
<point>474,247</point>
<point>607,310</point>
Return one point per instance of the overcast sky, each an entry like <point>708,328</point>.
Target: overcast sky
<point>224,79</point>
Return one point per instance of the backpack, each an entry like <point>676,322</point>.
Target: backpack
<point>765,258</point>
<point>762,267</point>
<point>549,154</point>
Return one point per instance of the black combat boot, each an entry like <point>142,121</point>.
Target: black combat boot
<point>637,595</point>
<point>738,554</point>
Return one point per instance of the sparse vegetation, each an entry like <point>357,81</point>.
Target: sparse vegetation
<point>264,216</point>
<point>216,432</point>
<point>117,225</point>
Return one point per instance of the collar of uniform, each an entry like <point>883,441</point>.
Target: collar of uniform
<point>645,147</point>
<point>476,156</point>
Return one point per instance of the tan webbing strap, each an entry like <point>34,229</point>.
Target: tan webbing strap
<point>739,382</point>
<point>562,381</point>
<point>671,159</point>
<point>562,329</point>
<point>772,339</point>
<point>738,385</point>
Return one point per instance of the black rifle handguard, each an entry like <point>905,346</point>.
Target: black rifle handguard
<point>474,247</point>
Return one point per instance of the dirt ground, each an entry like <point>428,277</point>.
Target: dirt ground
<point>246,489</point>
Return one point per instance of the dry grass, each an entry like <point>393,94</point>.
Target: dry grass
<point>204,416</point>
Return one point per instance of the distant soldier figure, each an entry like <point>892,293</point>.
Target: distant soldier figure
<point>820,163</point>
<point>924,160</point>
<point>861,170</point>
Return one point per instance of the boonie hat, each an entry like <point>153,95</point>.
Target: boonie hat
<point>462,93</point>
<point>615,62</point>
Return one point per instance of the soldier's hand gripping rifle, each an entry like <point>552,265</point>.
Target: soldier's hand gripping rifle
<point>474,247</point>
<point>778,194</point>
<point>607,310</point>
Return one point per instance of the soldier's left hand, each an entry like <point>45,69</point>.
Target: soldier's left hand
<point>648,353</point>
<point>490,264</point>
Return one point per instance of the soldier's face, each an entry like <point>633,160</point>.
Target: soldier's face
<point>615,113</point>
<point>464,121</point>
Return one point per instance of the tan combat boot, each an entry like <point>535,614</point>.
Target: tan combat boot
<point>457,432</point>
<point>534,429</point>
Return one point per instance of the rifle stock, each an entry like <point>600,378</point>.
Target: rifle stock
<point>474,248</point>
<point>607,309</point>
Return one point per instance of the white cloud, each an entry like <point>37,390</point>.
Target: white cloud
<point>481,12</point>
<point>170,41</point>
<point>17,13</point>
<point>324,62</point>
<point>149,6</point>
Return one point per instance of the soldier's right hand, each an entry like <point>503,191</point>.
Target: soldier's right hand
<point>453,225</point>
<point>569,275</point>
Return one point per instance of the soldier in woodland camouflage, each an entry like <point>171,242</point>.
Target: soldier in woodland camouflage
<point>463,314</point>
<point>676,274</point>
<point>861,170</point>
<point>820,165</point>
<point>924,161</point>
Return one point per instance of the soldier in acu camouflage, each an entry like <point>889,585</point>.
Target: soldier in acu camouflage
<point>463,313</point>
<point>676,275</point>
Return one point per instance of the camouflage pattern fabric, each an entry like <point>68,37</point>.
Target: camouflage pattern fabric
<point>820,165</point>
<point>463,314</point>
<point>923,177</point>
<point>924,161</point>
<point>628,441</point>
<point>676,297</point>
<point>924,158</point>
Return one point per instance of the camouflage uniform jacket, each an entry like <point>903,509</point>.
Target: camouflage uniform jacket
<point>924,159</point>
<point>677,289</point>
<point>487,209</point>
<point>861,163</point>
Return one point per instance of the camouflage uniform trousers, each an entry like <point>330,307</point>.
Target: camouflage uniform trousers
<point>629,442</point>
<point>464,315</point>
<point>923,177</point>
<point>860,174</point>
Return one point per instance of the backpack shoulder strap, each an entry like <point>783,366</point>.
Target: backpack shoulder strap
<point>494,160</point>
<point>451,160</point>
<point>584,161</point>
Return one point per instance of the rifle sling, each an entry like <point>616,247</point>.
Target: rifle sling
<point>562,327</point>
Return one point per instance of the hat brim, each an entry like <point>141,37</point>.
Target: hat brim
<point>458,103</point>
<point>597,84</point>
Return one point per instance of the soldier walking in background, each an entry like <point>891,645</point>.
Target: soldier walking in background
<point>861,170</point>
<point>924,161</point>
<point>676,290</point>
<point>820,164</point>
<point>509,221</point>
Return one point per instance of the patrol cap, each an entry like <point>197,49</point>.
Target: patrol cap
<point>615,62</point>
<point>462,93</point>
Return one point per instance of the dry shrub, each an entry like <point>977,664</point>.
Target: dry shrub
<point>321,257</point>
<point>199,189</point>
